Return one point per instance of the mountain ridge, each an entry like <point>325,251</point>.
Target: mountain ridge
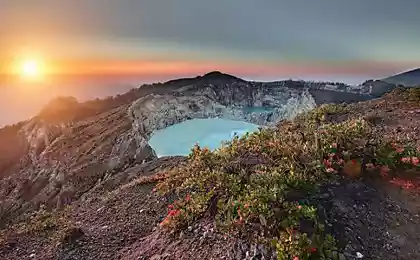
<point>95,164</point>
<point>408,78</point>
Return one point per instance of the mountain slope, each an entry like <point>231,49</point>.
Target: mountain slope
<point>117,218</point>
<point>409,78</point>
<point>78,158</point>
<point>71,147</point>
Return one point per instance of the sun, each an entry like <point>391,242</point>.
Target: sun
<point>31,69</point>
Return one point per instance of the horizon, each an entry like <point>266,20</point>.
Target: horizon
<point>160,39</point>
<point>93,49</point>
<point>92,88</point>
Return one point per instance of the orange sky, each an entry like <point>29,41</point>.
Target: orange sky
<point>155,68</point>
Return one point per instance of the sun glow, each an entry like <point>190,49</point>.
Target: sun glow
<point>31,69</point>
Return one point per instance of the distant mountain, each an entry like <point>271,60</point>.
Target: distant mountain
<point>409,78</point>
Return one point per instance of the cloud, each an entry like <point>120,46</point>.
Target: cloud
<point>267,30</point>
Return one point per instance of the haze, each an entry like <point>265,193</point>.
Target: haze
<point>97,48</point>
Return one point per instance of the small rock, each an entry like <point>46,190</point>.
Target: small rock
<point>359,255</point>
<point>324,196</point>
<point>32,255</point>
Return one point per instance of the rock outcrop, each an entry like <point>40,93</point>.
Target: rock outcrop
<point>228,101</point>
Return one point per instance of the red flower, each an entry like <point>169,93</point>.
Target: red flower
<point>353,161</point>
<point>171,206</point>
<point>384,171</point>
<point>405,160</point>
<point>174,212</point>
<point>327,163</point>
<point>295,258</point>
<point>399,150</point>
<point>334,145</point>
<point>299,206</point>
<point>187,198</point>
<point>312,250</point>
<point>246,206</point>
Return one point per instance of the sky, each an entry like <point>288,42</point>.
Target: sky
<point>156,40</point>
<point>267,37</point>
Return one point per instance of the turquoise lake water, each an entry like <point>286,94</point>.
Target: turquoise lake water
<point>180,138</point>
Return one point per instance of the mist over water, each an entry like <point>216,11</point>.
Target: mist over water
<point>180,138</point>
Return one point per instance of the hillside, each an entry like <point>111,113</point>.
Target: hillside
<point>79,182</point>
<point>408,78</point>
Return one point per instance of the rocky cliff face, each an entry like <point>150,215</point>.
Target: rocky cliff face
<point>57,160</point>
<point>155,112</point>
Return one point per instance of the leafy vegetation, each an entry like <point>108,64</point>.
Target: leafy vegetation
<point>320,114</point>
<point>55,226</point>
<point>413,94</point>
<point>253,186</point>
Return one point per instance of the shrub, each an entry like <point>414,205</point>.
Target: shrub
<point>413,94</point>
<point>247,186</point>
<point>321,113</point>
<point>254,186</point>
<point>55,226</point>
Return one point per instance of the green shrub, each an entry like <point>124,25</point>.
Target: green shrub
<point>413,94</point>
<point>253,186</point>
<point>247,185</point>
<point>55,226</point>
